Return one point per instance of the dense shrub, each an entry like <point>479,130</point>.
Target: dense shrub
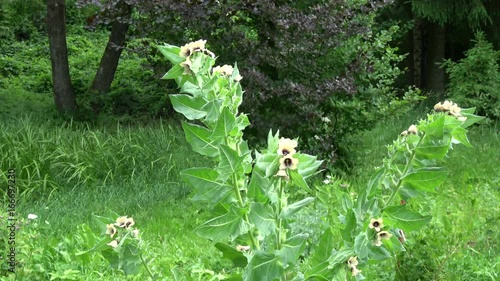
<point>302,63</point>
<point>475,79</point>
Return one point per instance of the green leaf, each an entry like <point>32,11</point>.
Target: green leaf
<point>176,71</point>
<point>257,187</point>
<point>262,216</point>
<point>379,253</point>
<point>192,89</point>
<point>351,223</point>
<point>298,180</point>
<point>241,123</point>
<point>295,207</point>
<point>426,179</point>
<point>130,261</point>
<point>307,164</point>
<point>227,225</point>
<point>432,151</point>
<point>230,253</point>
<point>263,266</point>
<point>224,125</point>
<point>199,139</point>
<point>189,107</point>
<point>471,118</point>
<point>230,162</point>
<point>100,246</point>
<point>374,183</point>
<point>267,164</point>
<point>361,245</point>
<point>205,185</point>
<point>212,108</point>
<point>434,128</point>
<point>292,249</point>
<point>319,265</point>
<point>340,257</point>
<point>273,142</point>
<point>460,135</point>
<point>171,52</point>
<point>404,218</point>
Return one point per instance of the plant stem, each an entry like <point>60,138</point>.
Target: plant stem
<point>241,204</point>
<point>281,204</point>
<point>407,167</point>
<point>147,268</point>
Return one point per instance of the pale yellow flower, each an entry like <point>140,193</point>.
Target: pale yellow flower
<point>238,78</point>
<point>225,70</point>
<point>413,130</point>
<point>113,243</point>
<point>384,235</point>
<point>288,162</point>
<point>404,133</point>
<point>187,66</point>
<point>241,248</point>
<point>353,261</point>
<point>355,271</point>
<point>286,147</point>
<point>192,47</point>
<point>376,224</point>
<point>124,222</point>
<point>462,118</point>
<point>110,230</point>
<point>377,242</point>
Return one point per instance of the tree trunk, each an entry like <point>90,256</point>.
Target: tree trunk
<point>109,61</point>
<point>435,51</point>
<point>417,52</point>
<point>64,95</point>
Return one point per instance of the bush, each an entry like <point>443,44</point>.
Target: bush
<point>302,64</point>
<point>475,79</point>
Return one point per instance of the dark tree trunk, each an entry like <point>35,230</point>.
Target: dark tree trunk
<point>109,61</point>
<point>417,52</point>
<point>64,95</point>
<point>435,52</point>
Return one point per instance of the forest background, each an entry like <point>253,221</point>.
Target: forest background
<point>83,108</point>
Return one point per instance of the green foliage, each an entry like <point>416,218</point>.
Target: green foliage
<point>48,155</point>
<point>473,13</point>
<point>251,209</point>
<point>475,79</point>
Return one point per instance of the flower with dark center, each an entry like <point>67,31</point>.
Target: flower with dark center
<point>124,222</point>
<point>384,235</point>
<point>376,224</point>
<point>192,47</point>
<point>353,261</point>
<point>111,230</point>
<point>355,271</point>
<point>288,162</point>
<point>286,147</point>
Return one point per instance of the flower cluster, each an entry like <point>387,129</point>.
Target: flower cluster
<point>226,70</point>
<point>352,263</point>
<point>378,225</point>
<point>411,130</point>
<point>123,222</point>
<point>286,148</point>
<point>452,109</point>
<point>191,48</point>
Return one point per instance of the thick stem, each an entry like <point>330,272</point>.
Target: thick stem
<point>281,235</point>
<point>407,167</point>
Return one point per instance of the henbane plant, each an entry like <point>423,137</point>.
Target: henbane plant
<point>249,190</point>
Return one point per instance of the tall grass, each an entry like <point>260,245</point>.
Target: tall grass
<point>48,156</point>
